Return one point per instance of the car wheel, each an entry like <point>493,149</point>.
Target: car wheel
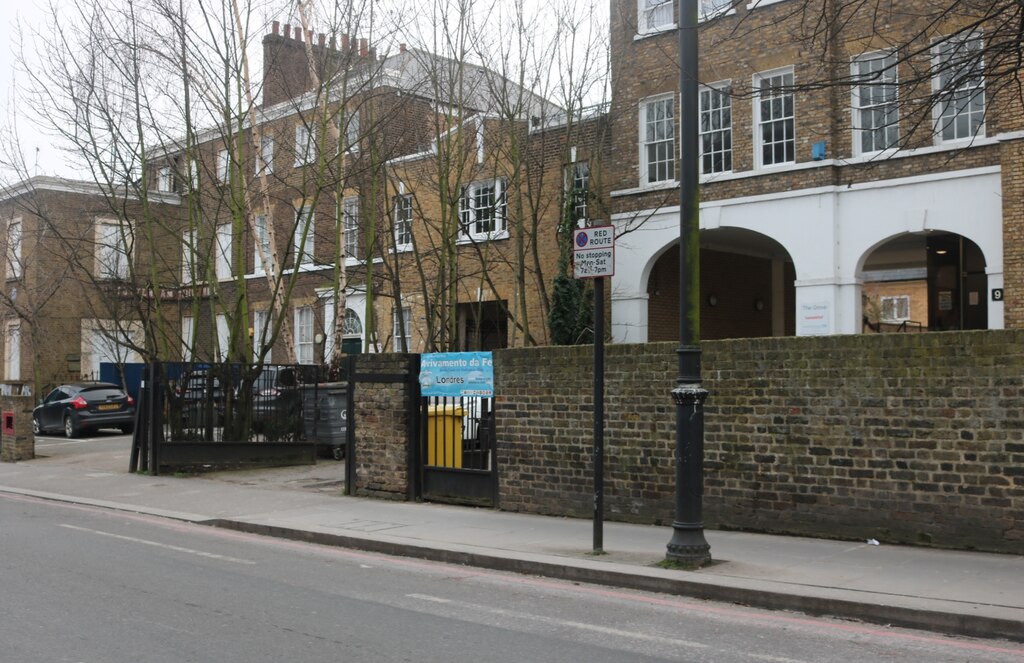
<point>338,452</point>
<point>69,427</point>
<point>36,428</point>
<point>128,429</point>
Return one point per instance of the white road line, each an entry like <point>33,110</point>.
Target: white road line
<point>774,659</point>
<point>157,544</point>
<point>427,597</point>
<point>605,630</point>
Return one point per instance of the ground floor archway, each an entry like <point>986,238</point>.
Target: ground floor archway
<point>824,236</point>
<point>746,288</point>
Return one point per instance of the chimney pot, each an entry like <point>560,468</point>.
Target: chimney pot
<point>298,32</point>
<point>287,31</point>
<point>401,48</point>
<point>344,43</point>
<point>277,27</point>
<point>309,36</point>
<point>364,47</point>
<point>322,40</point>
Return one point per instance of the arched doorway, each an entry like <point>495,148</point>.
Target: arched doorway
<point>746,283</point>
<point>924,281</point>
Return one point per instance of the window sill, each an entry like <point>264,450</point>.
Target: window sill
<point>482,237</point>
<point>757,4</point>
<point>960,142</point>
<point>647,188</point>
<point>654,32</point>
<point>725,11</point>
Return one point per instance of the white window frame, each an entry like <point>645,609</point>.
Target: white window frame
<point>303,145</point>
<point>304,335</point>
<point>188,257</point>
<point>110,341</point>
<point>193,174</point>
<point>403,221</point>
<point>776,120</point>
<point>304,250</point>
<point>12,350</point>
<point>222,251</point>
<point>654,16</point>
<point>15,234</point>
<point>898,302</point>
<point>577,190</point>
<point>261,238</point>
<point>260,330</point>
<point>223,337</point>
<point>474,224</point>
<point>653,122</point>
<point>223,165</point>
<point>350,225</point>
<point>709,9</point>
<point>326,297</point>
<point>165,179</point>
<point>404,332</point>
<point>187,338</point>
<point>112,259</point>
<point>350,136</point>
<point>265,159</point>
<point>710,115</point>
<point>967,92</point>
<point>877,73</point>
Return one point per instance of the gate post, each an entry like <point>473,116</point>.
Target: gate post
<point>414,412</point>
<point>17,441</point>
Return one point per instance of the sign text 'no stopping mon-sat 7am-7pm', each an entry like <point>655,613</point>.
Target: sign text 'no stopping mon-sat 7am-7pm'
<point>593,254</point>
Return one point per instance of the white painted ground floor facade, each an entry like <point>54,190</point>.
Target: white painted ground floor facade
<point>829,233</point>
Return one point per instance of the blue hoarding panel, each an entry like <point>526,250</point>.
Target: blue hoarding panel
<point>457,374</point>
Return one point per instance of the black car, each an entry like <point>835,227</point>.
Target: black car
<point>76,408</point>
<point>277,403</point>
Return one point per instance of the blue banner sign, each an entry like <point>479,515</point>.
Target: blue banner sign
<point>457,374</point>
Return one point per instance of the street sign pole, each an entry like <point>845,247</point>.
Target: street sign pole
<point>594,258</point>
<point>599,416</point>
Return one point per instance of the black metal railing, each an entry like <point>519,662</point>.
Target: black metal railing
<point>243,403</point>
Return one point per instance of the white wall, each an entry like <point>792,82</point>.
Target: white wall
<point>828,232</point>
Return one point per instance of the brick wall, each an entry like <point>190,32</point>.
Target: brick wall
<point>18,443</point>
<point>382,426</point>
<point>910,438</point>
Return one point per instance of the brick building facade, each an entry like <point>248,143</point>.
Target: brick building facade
<point>825,206</point>
<point>836,157</point>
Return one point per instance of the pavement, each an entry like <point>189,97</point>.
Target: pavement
<point>953,592</point>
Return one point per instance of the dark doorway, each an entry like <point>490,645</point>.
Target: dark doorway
<point>483,326</point>
<point>957,284</point>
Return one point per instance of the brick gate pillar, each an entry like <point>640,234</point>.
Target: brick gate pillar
<point>16,439</point>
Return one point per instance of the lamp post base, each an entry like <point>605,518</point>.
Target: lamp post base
<point>688,546</point>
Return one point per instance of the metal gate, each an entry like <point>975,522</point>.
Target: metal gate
<point>456,459</point>
<point>457,450</point>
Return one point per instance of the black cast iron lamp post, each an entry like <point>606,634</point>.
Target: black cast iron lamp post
<point>688,546</point>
